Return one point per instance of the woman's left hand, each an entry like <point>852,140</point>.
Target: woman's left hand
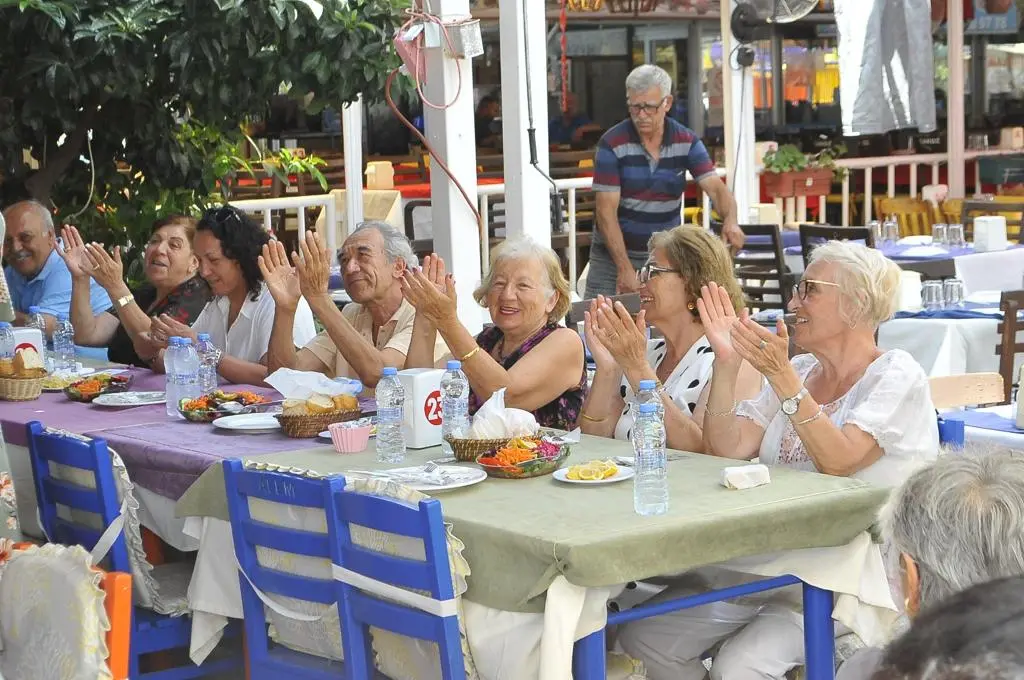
<point>624,338</point>
<point>164,327</point>
<point>423,294</point>
<point>766,351</point>
<point>108,271</point>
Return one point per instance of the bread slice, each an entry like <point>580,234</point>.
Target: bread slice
<point>28,363</point>
<point>345,402</point>
<point>294,407</point>
<point>320,403</point>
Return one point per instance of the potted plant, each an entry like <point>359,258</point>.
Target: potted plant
<point>789,172</point>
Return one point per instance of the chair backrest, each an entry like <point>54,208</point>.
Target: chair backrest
<point>761,268</point>
<point>1012,210</point>
<point>1011,303</point>
<point>365,571</point>
<point>241,486</point>
<point>971,389</point>
<point>914,215</point>
<point>631,301</point>
<point>813,235</point>
<point>48,447</point>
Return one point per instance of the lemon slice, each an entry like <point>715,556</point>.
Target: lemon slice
<point>588,473</point>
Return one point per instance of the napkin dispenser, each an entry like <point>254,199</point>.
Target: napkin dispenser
<point>1011,138</point>
<point>422,425</point>
<point>910,291</point>
<point>380,175</point>
<point>29,337</point>
<point>990,233</point>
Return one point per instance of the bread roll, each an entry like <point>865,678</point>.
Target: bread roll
<point>320,403</point>
<point>6,367</point>
<point>345,402</point>
<point>294,407</point>
<point>28,363</point>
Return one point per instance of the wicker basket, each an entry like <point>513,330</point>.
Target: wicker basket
<point>467,450</point>
<point>307,427</point>
<point>21,389</point>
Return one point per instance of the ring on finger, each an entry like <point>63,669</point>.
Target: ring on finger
<point>763,345</point>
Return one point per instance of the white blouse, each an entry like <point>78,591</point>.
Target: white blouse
<point>891,402</point>
<point>249,336</point>
<point>684,385</point>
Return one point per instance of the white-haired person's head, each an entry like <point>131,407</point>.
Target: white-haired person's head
<point>524,287</point>
<point>958,521</point>
<point>648,97</point>
<point>372,260</point>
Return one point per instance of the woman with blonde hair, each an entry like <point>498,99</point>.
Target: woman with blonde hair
<point>538,362</point>
<point>680,362</point>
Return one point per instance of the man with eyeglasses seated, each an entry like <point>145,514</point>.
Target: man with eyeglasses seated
<point>639,178</point>
<point>369,334</point>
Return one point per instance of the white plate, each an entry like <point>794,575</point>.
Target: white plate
<point>460,477</point>
<point>623,474</point>
<point>250,423</point>
<point>129,399</point>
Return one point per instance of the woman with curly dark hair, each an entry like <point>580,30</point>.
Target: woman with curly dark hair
<point>240,317</point>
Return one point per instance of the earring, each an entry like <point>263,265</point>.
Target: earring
<point>690,306</point>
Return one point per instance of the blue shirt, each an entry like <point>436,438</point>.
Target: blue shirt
<point>50,290</point>
<point>560,133</point>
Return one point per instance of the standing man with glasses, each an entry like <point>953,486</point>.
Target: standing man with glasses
<point>639,178</point>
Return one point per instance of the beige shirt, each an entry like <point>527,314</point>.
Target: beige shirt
<point>396,334</point>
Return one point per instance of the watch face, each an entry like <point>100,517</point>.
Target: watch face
<point>790,406</point>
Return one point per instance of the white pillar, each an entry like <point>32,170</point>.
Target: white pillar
<point>451,134</point>
<point>955,98</point>
<point>527,191</point>
<point>738,114</point>
<point>352,131</point>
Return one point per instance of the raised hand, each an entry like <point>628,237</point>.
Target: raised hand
<point>602,357</point>
<point>106,269</point>
<point>165,327</point>
<point>314,267</point>
<point>626,283</point>
<point>73,253</point>
<point>436,303</point>
<point>718,318</point>
<point>434,269</point>
<point>766,351</point>
<point>281,278</point>
<point>624,338</point>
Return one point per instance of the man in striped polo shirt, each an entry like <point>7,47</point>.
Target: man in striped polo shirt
<point>639,178</point>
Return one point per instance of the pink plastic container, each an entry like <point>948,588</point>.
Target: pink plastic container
<point>349,439</point>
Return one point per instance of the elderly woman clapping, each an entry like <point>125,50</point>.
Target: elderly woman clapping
<point>846,408</point>
<point>954,523</point>
<point>681,262</point>
<point>539,363</point>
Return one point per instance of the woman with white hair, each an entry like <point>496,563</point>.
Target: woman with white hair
<point>954,523</point>
<point>845,408</point>
<point>538,362</point>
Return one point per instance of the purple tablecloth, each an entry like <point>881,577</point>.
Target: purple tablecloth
<point>897,252</point>
<point>986,420</point>
<point>790,239</point>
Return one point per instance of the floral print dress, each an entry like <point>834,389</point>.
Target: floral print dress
<point>563,412</point>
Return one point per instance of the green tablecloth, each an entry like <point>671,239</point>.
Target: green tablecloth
<point>520,534</point>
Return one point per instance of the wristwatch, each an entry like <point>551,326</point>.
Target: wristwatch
<point>792,405</point>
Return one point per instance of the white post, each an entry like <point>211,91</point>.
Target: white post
<point>738,115</point>
<point>527,192</point>
<point>694,76</point>
<point>955,118</point>
<point>451,134</point>
<point>352,130</point>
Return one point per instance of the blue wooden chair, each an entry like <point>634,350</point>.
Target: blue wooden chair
<point>150,631</point>
<point>375,589</point>
<point>259,584</point>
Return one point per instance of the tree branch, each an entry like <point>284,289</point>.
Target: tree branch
<point>40,184</point>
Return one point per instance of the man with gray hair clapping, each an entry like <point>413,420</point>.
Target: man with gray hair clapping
<point>956,522</point>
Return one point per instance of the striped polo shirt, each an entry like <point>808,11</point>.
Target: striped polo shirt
<point>650,192</point>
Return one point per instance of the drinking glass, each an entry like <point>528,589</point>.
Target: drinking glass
<point>876,232</point>
<point>892,231</point>
<point>953,293</point>
<point>955,236</point>
<point>931,295</point>
<point>939,235</point>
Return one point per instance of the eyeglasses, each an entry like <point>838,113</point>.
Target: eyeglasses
<point>808,287</point>
<point>225,215</point>
<point>651,270</point>
<point>644,107</point>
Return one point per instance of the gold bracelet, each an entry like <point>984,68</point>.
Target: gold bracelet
<point>470,355</point>
<point>713,414</point>
<point>592,419</point>
<point>817,415</point>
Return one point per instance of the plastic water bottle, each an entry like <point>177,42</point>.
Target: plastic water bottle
<point>647,395</point>
<point>209,356</point>
<point>6,342</point>
<point>187,371</point>
<point>171,355</point>
<point>650,485</point>
<point>36,320</point>
<point>390,417</point>
<point>64,344</point>
<point>454,403</point>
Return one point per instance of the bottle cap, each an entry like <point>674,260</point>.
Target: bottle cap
<point>389,370</point>
<point>648,384</point>
<point>62,317</point>
<point>185,341</point>
<point>174,340</point>
<point>454,365</point>
<point>204,337</point>
<point>648,408</point>
<point>5,324</point>
<point>33,310</point>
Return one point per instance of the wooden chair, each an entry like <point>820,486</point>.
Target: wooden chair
<point>971,389</point>
<point>813,235</point>
<point>1011,303</point>
<point>1012,210</point>
<point>914,215</point>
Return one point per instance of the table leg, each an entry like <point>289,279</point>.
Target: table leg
<point>588,657</point>
<point>819,633</point>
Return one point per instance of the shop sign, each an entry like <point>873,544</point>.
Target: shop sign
<point>994,17</point>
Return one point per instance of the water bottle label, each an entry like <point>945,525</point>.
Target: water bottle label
<point>392,414</point>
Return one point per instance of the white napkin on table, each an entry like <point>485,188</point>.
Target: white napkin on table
<point>302,384</point>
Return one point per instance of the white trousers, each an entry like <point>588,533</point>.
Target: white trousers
<point>761,640</point>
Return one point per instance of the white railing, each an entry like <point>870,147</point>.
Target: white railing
<point>267,206</point>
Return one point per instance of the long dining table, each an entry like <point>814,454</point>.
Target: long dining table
<point>521,536</point>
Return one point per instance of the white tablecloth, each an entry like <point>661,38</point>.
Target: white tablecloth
<point>946,346</point>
